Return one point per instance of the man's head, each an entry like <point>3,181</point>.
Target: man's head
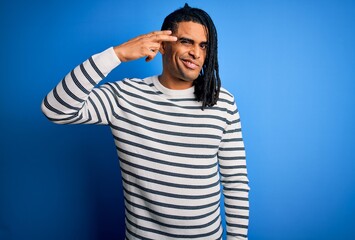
<point>196,57</point>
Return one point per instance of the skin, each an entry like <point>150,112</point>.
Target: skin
<point>183,54</point>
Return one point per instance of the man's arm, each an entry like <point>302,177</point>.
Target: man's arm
<point>76,100</point>
<point>234,178</point>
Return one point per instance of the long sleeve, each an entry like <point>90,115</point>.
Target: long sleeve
<point>75,100</point>
<point>234,178</point>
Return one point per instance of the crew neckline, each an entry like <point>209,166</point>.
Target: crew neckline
<point>189,92</point>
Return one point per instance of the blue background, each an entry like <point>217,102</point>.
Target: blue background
<point>290,64</point>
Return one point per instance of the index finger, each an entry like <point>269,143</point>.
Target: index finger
<point>165,38</point>
<point>167,32</point>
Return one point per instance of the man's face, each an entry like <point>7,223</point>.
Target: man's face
<point>183,59</point>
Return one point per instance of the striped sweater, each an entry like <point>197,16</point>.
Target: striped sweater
<point>174,157</point>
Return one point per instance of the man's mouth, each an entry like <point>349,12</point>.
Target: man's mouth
<point>190,64</point>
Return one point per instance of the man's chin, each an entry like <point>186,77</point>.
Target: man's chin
<point>189,78</point>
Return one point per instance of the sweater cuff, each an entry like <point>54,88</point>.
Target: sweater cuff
<point>106,61</point>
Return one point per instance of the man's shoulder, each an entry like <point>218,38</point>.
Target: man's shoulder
<point>136,84</point>
<point>226,96</point>
<point>138,81</point>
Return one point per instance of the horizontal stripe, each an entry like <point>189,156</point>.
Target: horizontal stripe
<point>97,70</point>
<point>182,100</point>
<point>96,110</point>
<point>232,140</point>
<point>231,158</point>
<point>170,205</point>
<point>168,173</point>
<point>155,160</point>
<point>143,82</point>
<point>169,153</point>
<point>221,99</point>
<point>62,118</point>
<point>140,89</point>
<point>102,105</point>
<point>170,216</point>
<point>233,122</point>
<point>136,235</point>
<point>87,76</point>
<point>171,225</point>
<point>236,216</point>
<point>190,236</point>
<point>69,92</point>
<point>49,107</point>
<point>233,181</point>
<point>236,198</point>
<point>222,91</point>
<point>233,175</point>
<point>236,235</point>
<point>169,184</point>
<point>236,225</point>
<point>61,101</point>
<point>180,144</point>
<point>77,83</point>
<point>170,195</point>
<point>232,167</point>
<point>232,149</point>
<point>235,189</point>
<point>235,207</point>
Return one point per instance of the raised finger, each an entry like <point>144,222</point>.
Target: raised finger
<point>154,45</point>
<point>165,38</point>
<point>152,34</point>
<point>162,32</point>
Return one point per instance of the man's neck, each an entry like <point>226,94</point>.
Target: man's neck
<point>174,83</point>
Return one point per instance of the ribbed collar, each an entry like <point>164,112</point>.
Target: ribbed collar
<point>188,93</point>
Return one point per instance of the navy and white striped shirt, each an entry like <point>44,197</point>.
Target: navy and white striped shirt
<point>173,155</point>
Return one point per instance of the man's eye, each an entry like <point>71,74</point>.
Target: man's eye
<point>203,46</point>
<point>185,41</point>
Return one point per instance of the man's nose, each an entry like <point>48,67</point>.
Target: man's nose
<point>195,52</point>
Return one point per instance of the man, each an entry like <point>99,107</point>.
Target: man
<point>178,135</point>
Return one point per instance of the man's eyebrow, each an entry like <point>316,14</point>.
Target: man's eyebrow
<point>190,40</point>
<point>186,39</point>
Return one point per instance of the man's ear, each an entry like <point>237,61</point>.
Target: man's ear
<point>162,48</point>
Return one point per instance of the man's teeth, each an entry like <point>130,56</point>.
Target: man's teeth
<point>190,64</point>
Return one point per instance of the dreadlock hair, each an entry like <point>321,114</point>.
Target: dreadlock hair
<point>208,83</point>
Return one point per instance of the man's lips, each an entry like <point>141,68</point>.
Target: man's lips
<point>190,64</point>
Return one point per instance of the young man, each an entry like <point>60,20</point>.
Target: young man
<point>178,135</point>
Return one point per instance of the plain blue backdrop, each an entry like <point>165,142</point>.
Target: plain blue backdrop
<point>290,65</point>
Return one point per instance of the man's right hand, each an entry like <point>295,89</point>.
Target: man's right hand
<point>146,45</point>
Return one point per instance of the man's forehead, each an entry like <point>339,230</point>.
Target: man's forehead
<point>192,30</point>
